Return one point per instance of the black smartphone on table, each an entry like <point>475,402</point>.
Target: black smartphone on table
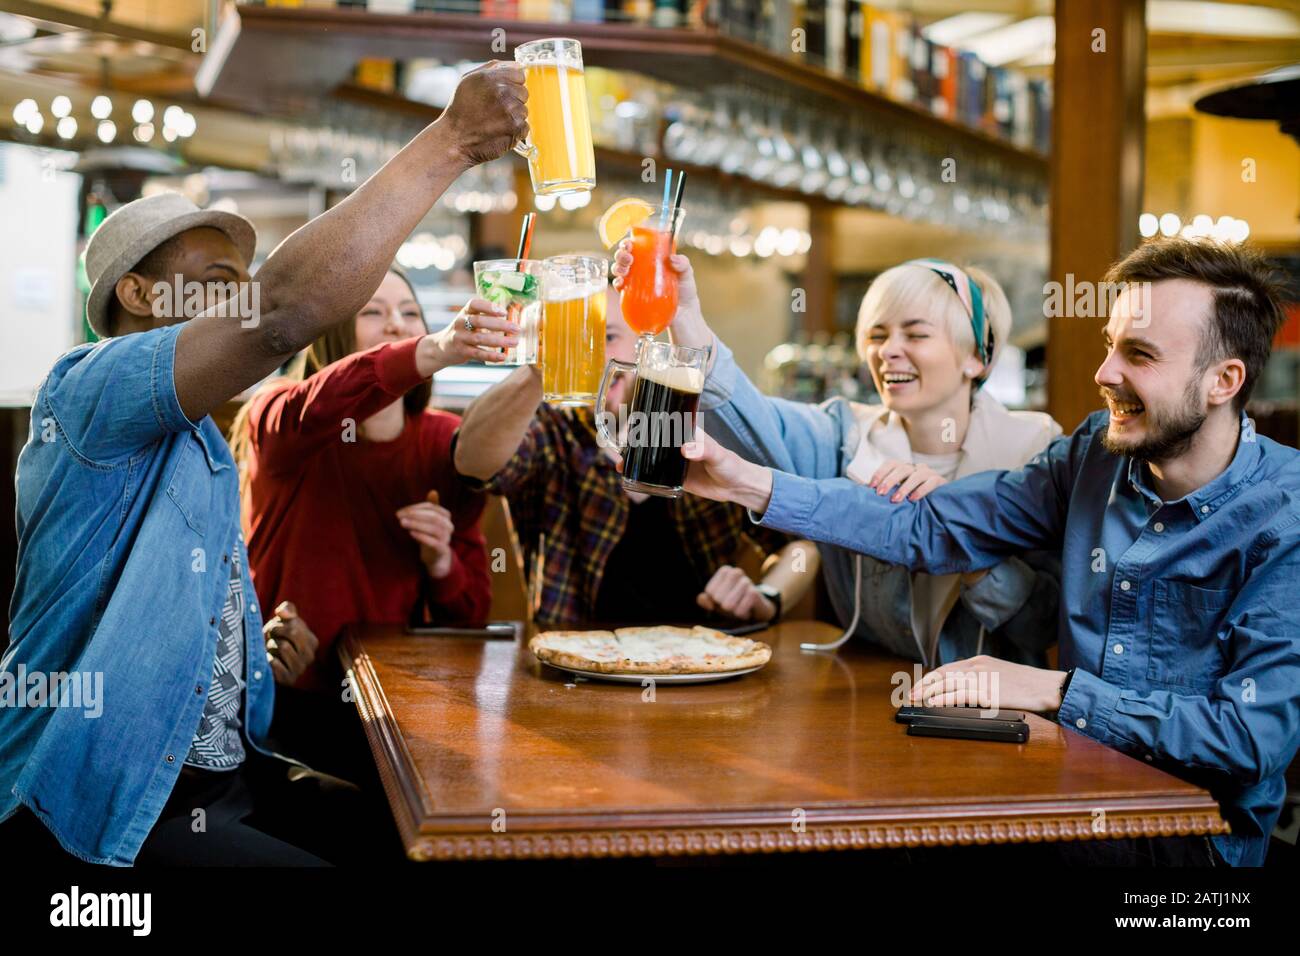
<point>905,715</point>
<point>963,728</point>
<point>965,723</point>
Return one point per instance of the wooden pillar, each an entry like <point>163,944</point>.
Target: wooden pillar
<point>1098,128</point>
<point>818,279</point>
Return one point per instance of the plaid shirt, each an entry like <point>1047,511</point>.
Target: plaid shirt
<point>569,511</point>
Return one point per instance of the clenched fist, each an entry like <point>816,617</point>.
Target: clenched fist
<point>487,115</point>
<point>290,644</point>
<point>731,592</point>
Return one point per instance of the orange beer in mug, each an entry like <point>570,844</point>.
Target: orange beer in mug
<point>649,290</point>
<point>571,350</point>
<point>558,149</point>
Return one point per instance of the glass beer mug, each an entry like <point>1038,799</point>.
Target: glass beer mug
<point>659,418</point>
<point>558,147</point>
<point>571,347</point>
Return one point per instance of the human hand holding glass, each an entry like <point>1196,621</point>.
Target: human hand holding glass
<point>686,325</point>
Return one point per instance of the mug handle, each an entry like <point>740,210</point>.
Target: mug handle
<point>525,148</point>
<point>612,368</point>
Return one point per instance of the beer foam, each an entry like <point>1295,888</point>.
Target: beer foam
<point>569,292</point>
<point>681,377</point>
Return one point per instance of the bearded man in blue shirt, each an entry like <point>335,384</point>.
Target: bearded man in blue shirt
<point>1178,526</point>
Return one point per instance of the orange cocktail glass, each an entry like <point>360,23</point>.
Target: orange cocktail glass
<point>649,293</point>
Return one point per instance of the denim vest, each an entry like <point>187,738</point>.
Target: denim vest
<point>128,514</point>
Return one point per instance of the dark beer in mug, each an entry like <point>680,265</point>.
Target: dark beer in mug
<point>660,419</point>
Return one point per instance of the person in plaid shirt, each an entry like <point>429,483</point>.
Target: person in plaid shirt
<point>595,553</point>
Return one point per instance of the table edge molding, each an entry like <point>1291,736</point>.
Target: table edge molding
<point>712,841</point>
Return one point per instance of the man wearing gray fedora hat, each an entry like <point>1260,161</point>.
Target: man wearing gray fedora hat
<point>137,673</point>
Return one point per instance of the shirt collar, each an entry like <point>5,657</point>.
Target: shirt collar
<point>1211,496</point>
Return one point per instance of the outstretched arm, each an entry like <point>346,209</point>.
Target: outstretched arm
<point>326,270</point>
<point>963,526</point>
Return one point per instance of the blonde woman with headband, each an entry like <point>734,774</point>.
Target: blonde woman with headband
<point>929,332</point>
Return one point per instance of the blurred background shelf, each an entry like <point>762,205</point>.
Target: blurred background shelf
<point>280,57</point>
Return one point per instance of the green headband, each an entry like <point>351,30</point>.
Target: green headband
<point>972,299</point>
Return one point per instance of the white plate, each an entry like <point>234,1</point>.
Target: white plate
<point>664,678</point>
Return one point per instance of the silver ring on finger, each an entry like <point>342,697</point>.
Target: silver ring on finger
<point>468,323</point>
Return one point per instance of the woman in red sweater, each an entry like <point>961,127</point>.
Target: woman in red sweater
<point>352,509</point>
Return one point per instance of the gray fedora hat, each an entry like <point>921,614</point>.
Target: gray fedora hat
<point>140,227</point>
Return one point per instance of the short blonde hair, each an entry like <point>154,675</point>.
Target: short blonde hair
<point>913,290</point>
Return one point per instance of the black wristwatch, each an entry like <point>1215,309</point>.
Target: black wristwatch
<point>1065,684</point>
<point>773,595</point>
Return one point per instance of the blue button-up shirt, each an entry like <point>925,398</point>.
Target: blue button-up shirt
<point>128,516</point>
<point>1180,618</point>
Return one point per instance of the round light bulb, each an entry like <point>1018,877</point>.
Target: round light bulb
<point>25,110</point>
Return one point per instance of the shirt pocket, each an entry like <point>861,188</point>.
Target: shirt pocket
<point>190,484</point>
<point>1185,647</point>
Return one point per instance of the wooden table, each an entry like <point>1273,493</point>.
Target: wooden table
<point>486,753</point>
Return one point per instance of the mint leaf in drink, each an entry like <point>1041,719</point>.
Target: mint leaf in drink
<point>486,281</point>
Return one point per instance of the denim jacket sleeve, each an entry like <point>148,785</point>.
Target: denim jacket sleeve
<point>967,525</point>
<point>795,437</point>
<point>117,396</point>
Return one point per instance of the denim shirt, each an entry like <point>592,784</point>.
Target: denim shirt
<point>1010,613</point>
<point>128,514</point>
<point>1179,617</point>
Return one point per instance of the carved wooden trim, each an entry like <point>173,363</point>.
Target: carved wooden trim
<point>715,841</point>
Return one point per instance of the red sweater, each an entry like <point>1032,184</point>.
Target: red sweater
<point>321,521</point>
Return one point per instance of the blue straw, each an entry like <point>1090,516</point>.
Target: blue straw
<point>668,192</point>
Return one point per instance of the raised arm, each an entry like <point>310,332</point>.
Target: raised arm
<point>496,423</point>
<point>327,269</point>
<point>288,421</point>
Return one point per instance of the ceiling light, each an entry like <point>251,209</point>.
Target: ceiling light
<point>61,106</point>
<point>67,128</point>
<point>25,110</point>
<point>101,107</point>
<point>107,130</point>
<point>951,31</point>
<point>1015,41</point>
<point>142,111</point>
